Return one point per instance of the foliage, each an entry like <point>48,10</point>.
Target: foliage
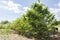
<point>57,22</point>
<point>36,22</point>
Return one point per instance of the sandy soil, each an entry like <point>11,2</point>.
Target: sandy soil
<point>13,37</point>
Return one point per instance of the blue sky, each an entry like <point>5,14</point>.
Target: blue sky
<point>12,9</point>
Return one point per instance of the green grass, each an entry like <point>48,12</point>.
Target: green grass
<point>4,31</point>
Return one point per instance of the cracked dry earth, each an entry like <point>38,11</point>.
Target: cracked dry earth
<point>13,37</point>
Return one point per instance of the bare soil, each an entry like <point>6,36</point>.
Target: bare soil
<point>13,37</point>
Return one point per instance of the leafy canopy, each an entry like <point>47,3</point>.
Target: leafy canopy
<point>36,22</point>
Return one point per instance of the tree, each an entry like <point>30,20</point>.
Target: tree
<point>4,22</point>
<point>38,0</point>
<point>36,22</point>
<point>40,18</point>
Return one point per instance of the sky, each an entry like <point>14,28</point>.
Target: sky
<point>12,9</point>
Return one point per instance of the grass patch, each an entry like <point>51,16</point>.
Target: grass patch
<point>5,31</point>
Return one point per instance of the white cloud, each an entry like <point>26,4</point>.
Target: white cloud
<point>14,7</point>
<point>10,5</point>
<point>26,8</point>
<point>56,11</point>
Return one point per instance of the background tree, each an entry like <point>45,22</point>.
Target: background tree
<point>4,22</point>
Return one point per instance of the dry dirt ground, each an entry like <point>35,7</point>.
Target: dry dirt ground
<point>13,37</point>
